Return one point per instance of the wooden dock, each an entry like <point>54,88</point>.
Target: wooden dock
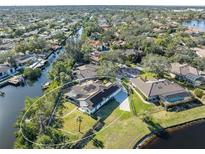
<point>16,80</point>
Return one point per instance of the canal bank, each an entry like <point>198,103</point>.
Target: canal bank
<point>179,136</point>
<point>13,101</point>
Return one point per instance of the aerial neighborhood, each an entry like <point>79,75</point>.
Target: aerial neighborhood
<point>108,76</point>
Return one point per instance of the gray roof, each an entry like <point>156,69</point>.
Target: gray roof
<point>4,68</point>
<point>86,71</point>
<point>193,77</point>
<point>84,90</point>
<point>157,87</point>
<point>101,95</point>
<point>92,92</point>
<point>183,69</point>
<point>24,59</point>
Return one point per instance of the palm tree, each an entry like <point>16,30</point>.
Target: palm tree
<point>79,120</point>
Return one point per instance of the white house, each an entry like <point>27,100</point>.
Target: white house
<point>91,95</point>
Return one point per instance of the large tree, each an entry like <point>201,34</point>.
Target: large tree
<point>156,64</point>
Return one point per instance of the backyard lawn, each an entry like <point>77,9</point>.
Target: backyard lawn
<point>138,104</point>
<point>125,129</point>
<point>166,119</point>
<point>121,129</point>
<point>71,124</point>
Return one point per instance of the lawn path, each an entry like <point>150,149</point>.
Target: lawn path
<point>67,114</point>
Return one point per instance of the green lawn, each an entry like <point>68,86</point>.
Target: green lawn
<point>121,129</point>
<point>166,119</point>
<point>71,125</point>
<point>128,128</point>
<point>148,75</point>
<point>139,106</point>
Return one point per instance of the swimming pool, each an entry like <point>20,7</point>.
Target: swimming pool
<point>174,99</point>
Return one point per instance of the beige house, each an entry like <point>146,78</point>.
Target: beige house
<point>186,73</point>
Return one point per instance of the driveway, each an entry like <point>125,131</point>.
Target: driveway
<point>123,99</point>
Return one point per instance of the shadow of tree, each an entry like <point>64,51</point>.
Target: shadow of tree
<point>156,128</point>
<point>97,143</point>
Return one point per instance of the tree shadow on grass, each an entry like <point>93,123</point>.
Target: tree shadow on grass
<point>156,128</point>
<point>97,143</point>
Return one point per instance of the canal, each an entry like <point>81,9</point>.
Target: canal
<point>188,137</point>
<point>13,102</point>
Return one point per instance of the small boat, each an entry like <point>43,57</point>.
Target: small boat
<point>45,86</point>
<point>2,93</point>
<point>16,80</point>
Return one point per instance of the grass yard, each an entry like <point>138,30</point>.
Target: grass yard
<point>139,106</point>
<point>71,125</point>
<point>166,119</point>
<point>148,75</point>
<point>128,129</point>
<point>121,129</point>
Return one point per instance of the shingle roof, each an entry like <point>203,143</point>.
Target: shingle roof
<point>157,87</point>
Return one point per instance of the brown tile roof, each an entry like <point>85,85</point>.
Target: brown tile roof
<point>157,87</point>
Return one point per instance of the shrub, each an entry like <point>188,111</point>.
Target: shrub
<point>32,74</point>
<point>198,92</point>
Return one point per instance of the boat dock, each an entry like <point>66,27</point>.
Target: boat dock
<point>16,80</point>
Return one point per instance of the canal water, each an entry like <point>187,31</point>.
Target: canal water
<point>188,137</point>
<point>13,102</point>
<point>196,24</point>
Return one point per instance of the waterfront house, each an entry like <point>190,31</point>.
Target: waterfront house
<point>25,60</point>
<point>161,90</point>
<point>90,95</point>
<point>5,71</point>
<point>186,73</point>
